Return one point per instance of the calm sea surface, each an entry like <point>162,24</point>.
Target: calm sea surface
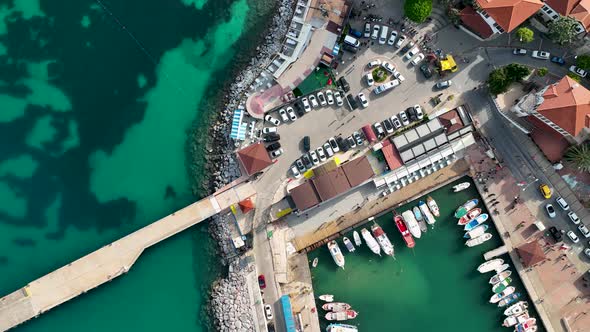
<point>98,100</point>
<point>433,287</point>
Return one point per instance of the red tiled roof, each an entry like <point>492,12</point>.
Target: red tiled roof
<point>331,184</point>
<point>567,104</point>
<point>531,253</point>
<point>552,144</point>
<point>509,14</point>
<point>392,156</point>
<point>358,171</point>
<point>564,7</point>
<point>254,158</point>
<point>246,205</point>
<point>304,196</point>
<point>451,121</point>
<point>475,22</point>
<point>582,13</point>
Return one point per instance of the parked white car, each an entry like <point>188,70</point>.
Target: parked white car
<point>419,113</point>
<point>338,98</point>
<point>418,59</point>
<point>328,149</point>
<point>295,172</point>
<point>404,118</point>
<point>584,230</point>
<point>392,37</point>
<point>313,101</point>
<point>562,203</point>
<point>291,113</point>
<point>369,79</point>
<point>272,120</point>
<point>573,217</point>
<point>573,237</point>
<point>386,86</point>
<point>396,123</point>
<point>306,105</point>
<point>276,153</point>
<point>268,130</point>
<point>375,33</point>
<point>268,312</point>
<point>374,63</point>
<point>400,41</point>
<point>314,157</point>
<point>330,97</point>
<point>388,66</point>
<point>550,210</point>
<point>541,55</point>
<point>412,53</point>
<point>578,71</point>
<point>322,99</point>
<point>383,35</point>
<point>333,144</point>
<point>363,100</point>
<point>321,154</point>
<point>283,115</point>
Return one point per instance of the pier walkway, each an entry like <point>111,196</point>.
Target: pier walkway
<point>109,261</point>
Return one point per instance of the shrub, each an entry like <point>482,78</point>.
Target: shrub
<point>525,35</point>
<point>379,75</point>
<point>562,30</point>
<point>583,61</point>
<point>418,10</point>
<point>575,77</point>
<point>542,71</point>
<point>501,78</point>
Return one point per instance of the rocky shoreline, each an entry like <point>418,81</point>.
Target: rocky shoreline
<point>229,305</point>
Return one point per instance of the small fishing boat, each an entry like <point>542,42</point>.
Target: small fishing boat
<point>501,286</point>
<point>315,262</point>
<point>500,276</point>
<point>478,240</point>
<point>357,238</point>
<point>403,229</point>
<point>341,328</point>
<point>490,265</point>
<point>469,216</point>
<point>477,231</point>
<point>502,268</point>
<point>417,213</point>
<point>371,242</point>
<point>527,326</point>
<point>463,209</point>
<point>336,253</point>
<point>423,226</point>
<point>341,315</point>
<point>383,240</point>
<point>327,297</point>
<point>336,306</point>
<point>433,206</point>
<point>461,186</point>
<point>513,320</point>
<point>412,223</point>
<point>507,300</point>
<point>516,309</point>
<point>348,244</point>
<point>428,217</point>
<point>499,296</point>
<point>476,222</point>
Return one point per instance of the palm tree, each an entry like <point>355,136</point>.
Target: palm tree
<point>579,156</point>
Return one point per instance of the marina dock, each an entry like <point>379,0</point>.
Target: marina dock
<point>495,253</point>
<point>109,261</point>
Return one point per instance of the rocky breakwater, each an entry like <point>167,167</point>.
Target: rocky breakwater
<point>221,162</point>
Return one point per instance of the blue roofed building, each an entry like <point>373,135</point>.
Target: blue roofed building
<point>288,318</point>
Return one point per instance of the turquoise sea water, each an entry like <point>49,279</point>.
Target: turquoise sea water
<point>98,103</point>
<point>433,287</point>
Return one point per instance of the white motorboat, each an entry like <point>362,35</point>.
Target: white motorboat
<point>426,213</point>
<point>433,206</point>
<point>348,244</point>
<point>383,240</point>
<point>327,297</point>
<point>490,265</point>
<point>336,253</point>
<point>315,262</point>
<point>341,328</point>
<point>477,231</point>
<point>513,320</point>
<point>412,224</point>
<point>516,309</point>
<point>500,276</point>
<point>357,238</point>
<point>497,297</point>
<point>336,306</point>
<point>461,186</point>
<point>371,242</point>
<point>478,240</point>
<point>502,268</point>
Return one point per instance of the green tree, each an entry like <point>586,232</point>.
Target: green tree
<point>579,156</point>
<point>525,35</point>
<point>575,77</point>
<point>454,15</point>
<point>418,10</point>
<point>542,71</point>
<point>583,61</point>
<point>498,81</point>
<point>562,30</point>
<point>516,72</point>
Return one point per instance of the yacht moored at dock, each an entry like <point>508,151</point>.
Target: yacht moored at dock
<point>341,328</point>
<point>403,229</point>
<point>336,253</point>
<point>433,206</point>
<point>461,186</point>
<point>499,296</point>
<point>478,240</point>
<point>327,297</point>
<point>371,242</point>
<point>348,244</point>
<point>428,217</point>
<point>490,265</point>
<point>341,315</point>
<point>516,309</point>
<point>463,209</point>
<point>507,300</point>
<point>469,216</point>
<point>336,306</point>
<point>477,231</point>
<point>476,222</point>
<point>357,238</point>
<point>412,224</point>
<point>499,277</point>
<point>383,240</point>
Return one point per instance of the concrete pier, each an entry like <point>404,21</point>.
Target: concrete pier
<point>109,261</point>
<point>495,253</point>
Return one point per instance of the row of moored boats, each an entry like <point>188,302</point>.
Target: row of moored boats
<point>338,311</point>
<point>472,220</point>
<point>411,224</point>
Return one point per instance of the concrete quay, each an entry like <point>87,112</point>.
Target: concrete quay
<point>110,261</point>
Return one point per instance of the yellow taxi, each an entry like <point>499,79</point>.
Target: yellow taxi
<point>545,191</point>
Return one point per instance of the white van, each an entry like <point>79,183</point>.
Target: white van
<point>350,40</point>
<point>384,34</point>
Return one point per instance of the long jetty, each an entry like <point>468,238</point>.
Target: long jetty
<point>110,261</point>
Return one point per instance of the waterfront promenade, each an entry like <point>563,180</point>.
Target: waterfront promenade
<point>109,261</point>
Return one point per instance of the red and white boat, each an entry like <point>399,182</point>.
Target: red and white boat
<point>401,226</point>
<point>528,326</point>
<point>336,306</point>
<point>383,240</point>
<point>342,315</point>
<point>469,216</point>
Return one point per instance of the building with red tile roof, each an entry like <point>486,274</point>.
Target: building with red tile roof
<point>563,7</point>
<point>476,23</point>
<point>509,14</point>
<point>581,13</point>
<point>577,9</point>
<point>254,158</point>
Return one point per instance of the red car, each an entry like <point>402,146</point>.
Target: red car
<point>261,281</point>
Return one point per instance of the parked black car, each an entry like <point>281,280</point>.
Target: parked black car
<point>350,48</point>
<point>555,233</point>
<point>426,71</point>
<point>343,84</point>
<point>354,104</point>
<point>407,47</point>
<point>342,144</point>
<point>299,109</point>
<point>307,162</point>
<point>271,137</point>
<point>306,143</point>
<point>412,114</point>
<point>273,146</point>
